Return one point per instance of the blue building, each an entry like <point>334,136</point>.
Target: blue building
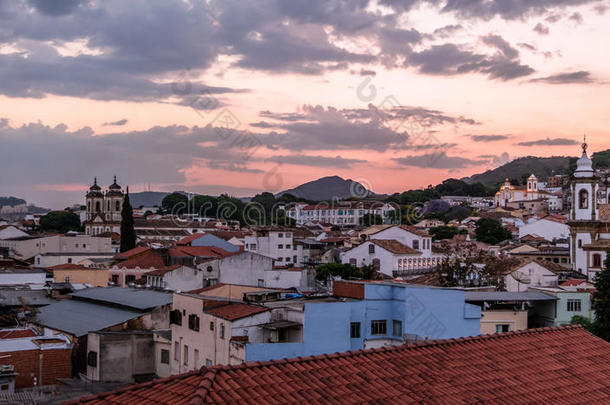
<point>364,315</point>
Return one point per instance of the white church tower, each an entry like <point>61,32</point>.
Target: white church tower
<point>589,222</point>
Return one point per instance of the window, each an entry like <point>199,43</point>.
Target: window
<point>416,244</point>
<point>176,351</point>
<point>194,322</point>
<point>175,317</point>
<point>211,325</point>
<point>288,234</point>
<point>222,330</point>
<point>130,278</point>
<point>115,278</point>
<point>579,243</point>
<point>287,259</point>
<point>92,359</point>
<point>574,305</point>
<point>261,282</point>
<point>371,249</point>
<point>503,327</point>
<point>208,362</point>
<point>69,260</point>
<point>67,279</point>
<point>280,235</point>
<point>597,260</point>
<point>294,258</point>
<point>294,247</point>
<point>195,357</point>
<point>583,199</point>
<point>164,356</point>
<point>186,355</point>
<point>279,259</point>
<point>354,330</point>
<point>378,327</point>
<point>117,206</point>
<point>396,328</point>
<point>287,246</point>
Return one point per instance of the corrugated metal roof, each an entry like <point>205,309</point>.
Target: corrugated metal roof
<point>507,296</point>
<point>11,297</point>
<point>129,297</point>
<point>78,317</point>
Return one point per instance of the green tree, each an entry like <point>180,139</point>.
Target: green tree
<point>60,221</point>
<point>443,232</point>
<point>175,201</point>
<point>345,271</point>
<point>582,321</point>
<point>128,233</point>
<point>491,231</point>
<point>601,303</point>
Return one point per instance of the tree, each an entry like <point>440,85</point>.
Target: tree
<point>345,271</point>
<point>582,321</point>
<point>371,219</point>
<point>443,232</point>
<point>60,221</point>
<point>175,201</point>
<point>491,231</point>
<point>128,233</point>
<point>601,303</point>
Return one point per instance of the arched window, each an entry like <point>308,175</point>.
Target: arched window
<point>583,199</point>
<point>117,205</point>
<point>597,260</point>
<point>97,206</point>
<point>108,206</point>
<point>88,205</point>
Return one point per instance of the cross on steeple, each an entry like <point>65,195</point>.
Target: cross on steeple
<point>584,143</point>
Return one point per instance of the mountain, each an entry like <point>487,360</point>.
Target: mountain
<point>328,188</point>
<point>11,201</point>
<point>147,198</point>
<point>541,167</point>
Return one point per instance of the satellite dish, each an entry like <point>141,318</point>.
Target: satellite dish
<point>520,277</point>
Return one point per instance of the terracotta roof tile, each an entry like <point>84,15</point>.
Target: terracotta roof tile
<point>564,365</point>
<point>68,266</point>
<point>395,247</point>
<point>233,310</point>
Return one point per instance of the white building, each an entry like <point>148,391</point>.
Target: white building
<point>78,244</point>
<point>532,273</point>
<point>395,250</point>
<point>548,227</point>
<point>341,213</point>
<point>521,194</point>
<point>11,232</point>
<point>279,243</point>
<point>589,218</point>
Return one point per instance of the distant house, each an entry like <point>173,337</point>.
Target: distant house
<point>549,228</point>
<point>79,274</point>
<point>532,273</point>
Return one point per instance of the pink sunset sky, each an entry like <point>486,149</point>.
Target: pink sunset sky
<point>250,96</point>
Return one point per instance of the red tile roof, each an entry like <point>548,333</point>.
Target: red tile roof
<point>16,333</point>
<point>199,251</point>
<point>146,261</point>
<point>68,266</point>
<point>575,282</point>
<point>133,252</point>
<point>232,311</point>
<point>188,239</point>
<point>562,365</point>
<point>395,247</point>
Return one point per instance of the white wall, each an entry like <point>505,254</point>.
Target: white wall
<point>547,229</point>
<point>538,276</point>
<point>406,238</point>
<point>246,268</point>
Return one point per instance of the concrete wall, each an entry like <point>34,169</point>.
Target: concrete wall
<point>547,229</point>
<point>517,320</point>
<point>284,278</point>
<point>80,243</point>
<point>121,355</point>
<point>538,276</point>
<point>245,268</point>
<point>95,277</point>
<point>563,315</point>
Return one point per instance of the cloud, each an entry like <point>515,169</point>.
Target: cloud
<point>581,76</point>
<point>118,123</point>
<point>439,160</point>
<point>158,154</point>
<point>549,142</point>
<point>541,29</point>
<point>488,138</point>
<point>316,161</point>
<point>509,10</point>
<point>449,59</point>
<point>577,18</point>
<point>446,31</point>
<point>394,127</point>
<point>55,7</point>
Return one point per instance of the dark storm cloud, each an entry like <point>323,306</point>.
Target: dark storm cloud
<point>581,76</point>
<point>449,59</point>
<point>316,161</point>
<point>118,123</point>
<point>438,160</point>
<point>549,142</point>
<point>488,138</point>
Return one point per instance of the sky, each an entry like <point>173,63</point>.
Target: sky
<point>240,96</point>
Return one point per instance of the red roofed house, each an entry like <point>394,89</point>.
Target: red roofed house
<point>538,366</point>
<point>79,274</point>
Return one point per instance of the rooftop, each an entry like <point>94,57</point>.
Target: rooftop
<point>394,246</point>
<point>507,296</point>
<point>564,365</point>
<point>139,299</point>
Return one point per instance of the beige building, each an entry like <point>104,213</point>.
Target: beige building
<point>26,248</point>
<point>207,332</point>
<point>503,320</point>
<point>78,274</point>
